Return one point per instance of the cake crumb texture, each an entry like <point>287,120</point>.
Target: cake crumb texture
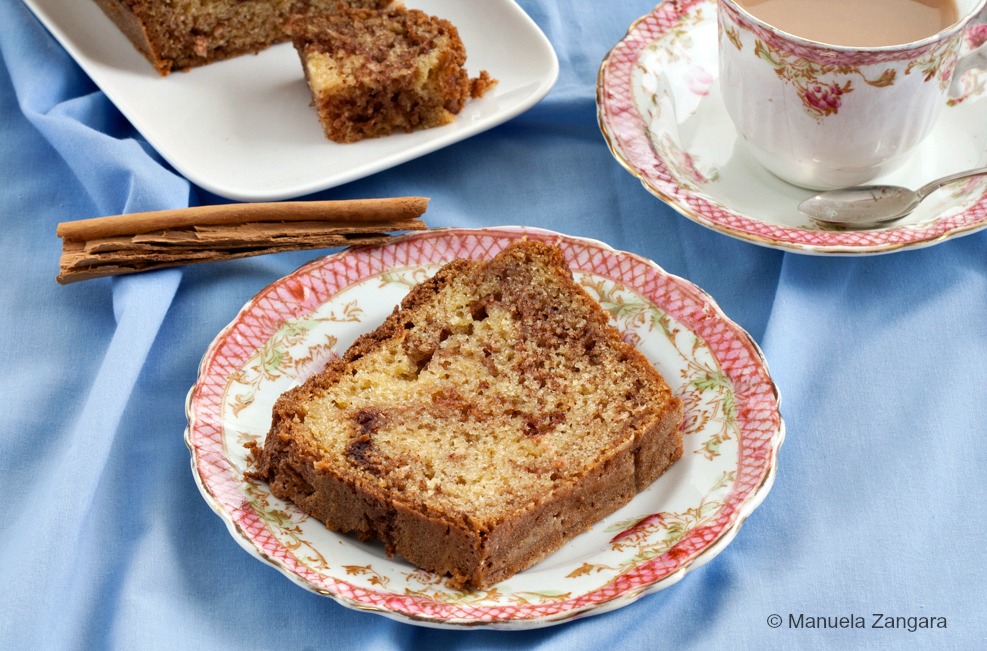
<point>490,419</point>
<point>182,34</point>
<point>376,72</point>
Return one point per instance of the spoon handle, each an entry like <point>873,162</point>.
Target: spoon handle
<point>929,188</point>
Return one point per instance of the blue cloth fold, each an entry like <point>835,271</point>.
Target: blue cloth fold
<point>107,543</point>
<point>103,154</point>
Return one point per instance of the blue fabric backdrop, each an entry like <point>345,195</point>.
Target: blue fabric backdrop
<point>105,541</point>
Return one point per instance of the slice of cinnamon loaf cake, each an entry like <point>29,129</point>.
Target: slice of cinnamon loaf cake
<point>182,34</point>
<point>490,419</point>
<point>376,72</point>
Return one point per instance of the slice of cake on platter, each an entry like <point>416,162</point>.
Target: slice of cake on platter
<point>493,417</point>
<point>376,72</point>
<point>183,34</point>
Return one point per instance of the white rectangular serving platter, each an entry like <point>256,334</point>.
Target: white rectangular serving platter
<point>244,129</point>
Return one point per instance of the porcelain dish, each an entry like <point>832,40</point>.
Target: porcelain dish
<point>245,129</point>
<point>661,111</point>
<point>732,432</point>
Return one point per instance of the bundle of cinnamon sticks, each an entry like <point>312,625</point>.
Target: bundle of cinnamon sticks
<point>106,246</point>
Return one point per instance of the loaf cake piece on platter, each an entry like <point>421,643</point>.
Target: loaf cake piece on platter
<point>376,72</point>
<point>182,34</point>
<point>492,417</point>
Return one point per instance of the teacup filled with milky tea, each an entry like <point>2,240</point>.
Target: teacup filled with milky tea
<point>832,93</point>
<point>856,23</point>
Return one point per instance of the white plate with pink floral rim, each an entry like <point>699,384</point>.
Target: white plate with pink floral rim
<point>661,111</point>
<point>732,432</point>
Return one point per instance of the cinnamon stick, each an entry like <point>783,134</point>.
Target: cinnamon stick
<point>105,246</point>
<point>343,212</point>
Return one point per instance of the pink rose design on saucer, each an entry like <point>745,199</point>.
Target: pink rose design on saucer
<point>976,35</point>
<point>699,81</point>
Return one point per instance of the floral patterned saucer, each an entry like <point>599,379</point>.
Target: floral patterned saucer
<point>661,111</point>
<point>732,433</point>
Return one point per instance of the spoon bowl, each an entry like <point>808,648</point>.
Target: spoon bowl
<point>872,206</point>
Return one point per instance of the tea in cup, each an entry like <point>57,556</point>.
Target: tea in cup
<point>833,93</point>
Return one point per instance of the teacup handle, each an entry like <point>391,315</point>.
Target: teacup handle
<point>976,58</point>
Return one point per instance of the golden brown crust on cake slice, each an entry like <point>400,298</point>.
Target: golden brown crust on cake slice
<point>129,21</point>
<point>493,416</point>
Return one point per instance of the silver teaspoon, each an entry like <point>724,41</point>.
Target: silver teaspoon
<point>868,206</point>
